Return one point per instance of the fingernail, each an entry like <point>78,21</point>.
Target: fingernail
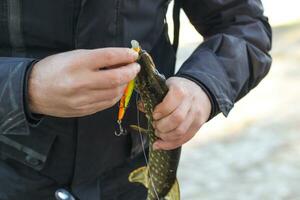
<point>138,67</point>
<point>155,146</point>
<point>156,115</point>
<point>134,54</point>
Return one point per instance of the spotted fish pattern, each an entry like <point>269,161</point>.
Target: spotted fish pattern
<point>160,174</point>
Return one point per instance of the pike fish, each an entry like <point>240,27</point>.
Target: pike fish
<point>159,176</point>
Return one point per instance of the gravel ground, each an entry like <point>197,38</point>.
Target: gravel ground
<point>254,154</point>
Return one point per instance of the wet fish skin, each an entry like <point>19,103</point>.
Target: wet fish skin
<point>162,164</point>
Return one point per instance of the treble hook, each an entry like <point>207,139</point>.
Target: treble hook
<point>122,131</point>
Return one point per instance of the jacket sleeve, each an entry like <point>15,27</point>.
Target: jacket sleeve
<point>13,115</point>
<point>234,57</point>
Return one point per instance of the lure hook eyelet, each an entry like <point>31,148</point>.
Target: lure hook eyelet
<point>122,131</point>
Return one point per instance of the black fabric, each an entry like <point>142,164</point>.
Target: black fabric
<point>73,152</point>
<point>22,182</point>
<point>33,185</point>
<point>12,115</point>
<point>114,184</point>
<point>16,147</point>
<point>15,28</point>
<point>5,49</point>
<point>176,20</point>
<point>233,57</point>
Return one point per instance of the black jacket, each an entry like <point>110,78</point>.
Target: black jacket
<point>230,62</point>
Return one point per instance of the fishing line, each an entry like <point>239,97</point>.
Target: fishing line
<point>143,146</point>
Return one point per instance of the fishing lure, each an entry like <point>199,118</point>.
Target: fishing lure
<point>123,106</point>
<point>126,98</point>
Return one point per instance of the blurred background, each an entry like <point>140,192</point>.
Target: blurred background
<point>254,154</point>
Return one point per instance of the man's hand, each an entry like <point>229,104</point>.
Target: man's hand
<point>80,82</point>
<point>181,114</point>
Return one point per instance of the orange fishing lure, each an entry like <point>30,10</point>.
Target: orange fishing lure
<point>127,94</point>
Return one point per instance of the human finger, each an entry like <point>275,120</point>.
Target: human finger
<point>171,101</point>
<point>85,110</point>
<point>112,78</point>
<point>166,145</point>
<point>179,131</point>
<point>175,143</point>
<point>173,120</point>
<point>169,145</point>
<point>93,96</point>
<point>104,57</point>
<point>98,106</point>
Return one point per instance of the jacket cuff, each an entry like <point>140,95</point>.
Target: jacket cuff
<point>214,106</point>
<point>204,68</point>
<point>32,118</point>
<point>13,119</point>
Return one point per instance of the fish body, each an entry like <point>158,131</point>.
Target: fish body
<point>159,176</point>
